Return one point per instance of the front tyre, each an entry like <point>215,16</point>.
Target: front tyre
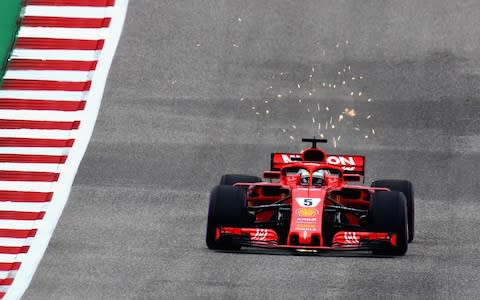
<point>388,213</point>
<point>406,188</point>
<point>227,207</point>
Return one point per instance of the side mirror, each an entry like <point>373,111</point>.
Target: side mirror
<point>352,177</point>
<point>271,175</point>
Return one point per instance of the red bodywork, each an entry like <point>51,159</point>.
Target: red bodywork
<point>288,214</point>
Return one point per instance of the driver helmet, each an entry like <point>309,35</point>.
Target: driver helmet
<point>318,177</point>
<point>304,176</point>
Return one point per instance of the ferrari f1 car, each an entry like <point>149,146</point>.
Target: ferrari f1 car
<point>306,203</point>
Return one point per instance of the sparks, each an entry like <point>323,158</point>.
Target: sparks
<point>351,112</point>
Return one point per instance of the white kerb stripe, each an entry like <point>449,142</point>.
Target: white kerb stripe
<point>75,76</point>
<point>40,115</point>
<point>64,33</point>
<point>30,167</point>
<point>10,258</point>
<point>27,186</point>
<point>55,54</point>
<point>44,95</point>
<point>68,11</point>
<point>35,150</point>
<point>24,206</point>
<point>12,242</point>
<point>18,224</point>
<point>39,133</point>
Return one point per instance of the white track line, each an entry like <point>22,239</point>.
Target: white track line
<point>64,33</point>
<point>75,76</point>
<point>43,95</point>
<point>39,115</point>
<point>55,54</point>
<point>68,11</point>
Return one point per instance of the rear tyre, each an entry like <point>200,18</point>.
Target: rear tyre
<point>406,188</point>
<point>388,213</point>
<point>227,207</point>
<point>231,179</point>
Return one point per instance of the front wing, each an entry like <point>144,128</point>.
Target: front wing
<point>342,240</point>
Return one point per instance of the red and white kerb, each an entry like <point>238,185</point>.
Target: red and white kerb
<point>49,101</point>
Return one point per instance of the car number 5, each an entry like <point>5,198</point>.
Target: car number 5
<point>307,202</point>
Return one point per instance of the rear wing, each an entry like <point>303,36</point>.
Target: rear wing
<point>351,164</point>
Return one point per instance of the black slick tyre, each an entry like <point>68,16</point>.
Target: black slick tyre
<point>227,207</point>
<point>406,188</point>
<point>388,213</point>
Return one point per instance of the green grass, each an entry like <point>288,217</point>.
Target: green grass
<point>9,13</point>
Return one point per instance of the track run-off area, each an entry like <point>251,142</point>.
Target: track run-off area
<point>202,88</point>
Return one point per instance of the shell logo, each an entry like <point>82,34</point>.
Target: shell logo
<point>307,212</point>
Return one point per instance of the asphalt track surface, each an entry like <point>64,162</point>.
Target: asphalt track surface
<point>172,121</point>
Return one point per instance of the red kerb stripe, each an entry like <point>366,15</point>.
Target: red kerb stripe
<point>72,2</point>
<point>21,215</point>
<point>27,142</point>
<point>42,104</point>
<point>10,266</point>
<point>45,85</point>
<point>8,281</point>
<point>18,233</point>
<point>28,176</point>
<point>36,21</point>
<point>30,158</point>
<point>12,250</point>
<point>64,65</point>
<point>27,124</point>
<point>58,44</point>
<point>16,196</point>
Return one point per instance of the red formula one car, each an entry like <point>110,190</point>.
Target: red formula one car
<point>306,203</point>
